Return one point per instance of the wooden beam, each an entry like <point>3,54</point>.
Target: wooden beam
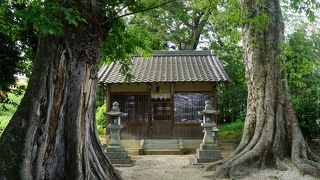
<point>215,101</point>
<point>172,107</point>
<point>107,101</point>
<point>103,98</point>
<point>150,111</point>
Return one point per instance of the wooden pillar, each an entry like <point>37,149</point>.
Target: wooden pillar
<point>172,107</point>
<point>107,101</point>
<point>215,101</point>
<point>103,91</point>
<point>150,112</point>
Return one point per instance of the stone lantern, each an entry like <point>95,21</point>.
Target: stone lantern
<point>115,150</point>
<point>208,151</point>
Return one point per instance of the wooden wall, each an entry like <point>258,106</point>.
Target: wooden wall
<point>190,131</point>
<point>139,131</point>
<point>142,131</point>
<point>135,131</point>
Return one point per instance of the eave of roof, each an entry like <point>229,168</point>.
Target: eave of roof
<point>169,66</point>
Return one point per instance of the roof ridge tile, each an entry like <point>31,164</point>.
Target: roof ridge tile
<point>169,68</point>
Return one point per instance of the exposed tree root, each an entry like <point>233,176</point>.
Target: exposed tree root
<point>271,132</point>
<point>241,164</point>
<point>269,146</point>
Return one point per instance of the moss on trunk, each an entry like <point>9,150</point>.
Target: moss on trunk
<point>53,134</point>
<point>271,131</point>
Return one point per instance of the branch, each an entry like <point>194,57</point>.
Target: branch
<point>125,7</point>
<point>147,9</point>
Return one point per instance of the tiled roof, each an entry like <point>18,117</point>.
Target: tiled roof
<point>169,66</point>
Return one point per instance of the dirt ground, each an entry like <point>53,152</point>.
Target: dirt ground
<point>181,167</point>
<point>178,167</point>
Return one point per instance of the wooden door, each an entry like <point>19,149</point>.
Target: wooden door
<point>161,119</point>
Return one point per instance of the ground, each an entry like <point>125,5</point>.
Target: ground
<point>180,167</point>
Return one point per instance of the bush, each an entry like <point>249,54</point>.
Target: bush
<point>235,126</point>
<point>232,131</point>
<point>101,118</point>
<point>302,62</point>
<point>7,109</point>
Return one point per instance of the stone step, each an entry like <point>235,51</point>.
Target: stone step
<point>161,141</point>
<point>117,155</point>
<point>134,151</point>
<point>121,161</point>
<point>160,146</point>
<point>161,152</point>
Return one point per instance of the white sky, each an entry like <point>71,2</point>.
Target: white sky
<point>293,20</point>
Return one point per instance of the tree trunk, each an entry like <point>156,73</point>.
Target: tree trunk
<point>53,134</point>
<point>196,29</point>
<point>272,132</point>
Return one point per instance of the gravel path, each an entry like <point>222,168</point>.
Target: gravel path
<point>163,167</point>
<point>178,167</point>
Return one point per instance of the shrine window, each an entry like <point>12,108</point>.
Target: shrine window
<point>136,105</point>
<point>187,105</point>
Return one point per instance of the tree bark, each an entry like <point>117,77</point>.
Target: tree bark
<point>271,132</point>
<point>53,134</point>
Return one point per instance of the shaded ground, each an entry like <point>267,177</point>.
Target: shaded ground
<point>180,167</point>
<point>166,167</point>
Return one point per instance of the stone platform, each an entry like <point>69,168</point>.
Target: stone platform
<point>205,156</point>
<point>119,156</point>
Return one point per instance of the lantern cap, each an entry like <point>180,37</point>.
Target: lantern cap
<point>115,111</point>
<point>208,109</point>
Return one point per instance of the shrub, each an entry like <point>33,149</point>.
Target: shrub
<point>101,118</point>
<point>8,108</point>
<point>235,126</point>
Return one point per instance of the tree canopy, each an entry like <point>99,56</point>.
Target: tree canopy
<point>53,133</point>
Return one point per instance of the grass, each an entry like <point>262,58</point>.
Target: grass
<point>6,115</point>
<point>232,131</point>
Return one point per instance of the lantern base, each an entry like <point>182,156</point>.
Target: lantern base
<point>206,156</point>
<point>208,153</point>
<point>115,150</point>
<point>118,155</point>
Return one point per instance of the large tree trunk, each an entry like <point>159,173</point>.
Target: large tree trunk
<point>272,132</point>
<point>53,134</point>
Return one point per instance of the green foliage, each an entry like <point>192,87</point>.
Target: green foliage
<point>260,22</point>
<point>309,7</point>
<point>235,126</point>
<point>180,23</point>
<point>101,118</point>
<point>99,96</point>
<point>17,48</point>
<point>227,20</point>
<point>123,41</point>
<point>15,91</point>
<point>303,65</point>
<point>232,97</point>
<point>6,114</point>
<point>47,17</point>
<point>232,131</point>
<point>10,62</point>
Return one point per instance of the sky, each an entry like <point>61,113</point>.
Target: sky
<point>294,19</point>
